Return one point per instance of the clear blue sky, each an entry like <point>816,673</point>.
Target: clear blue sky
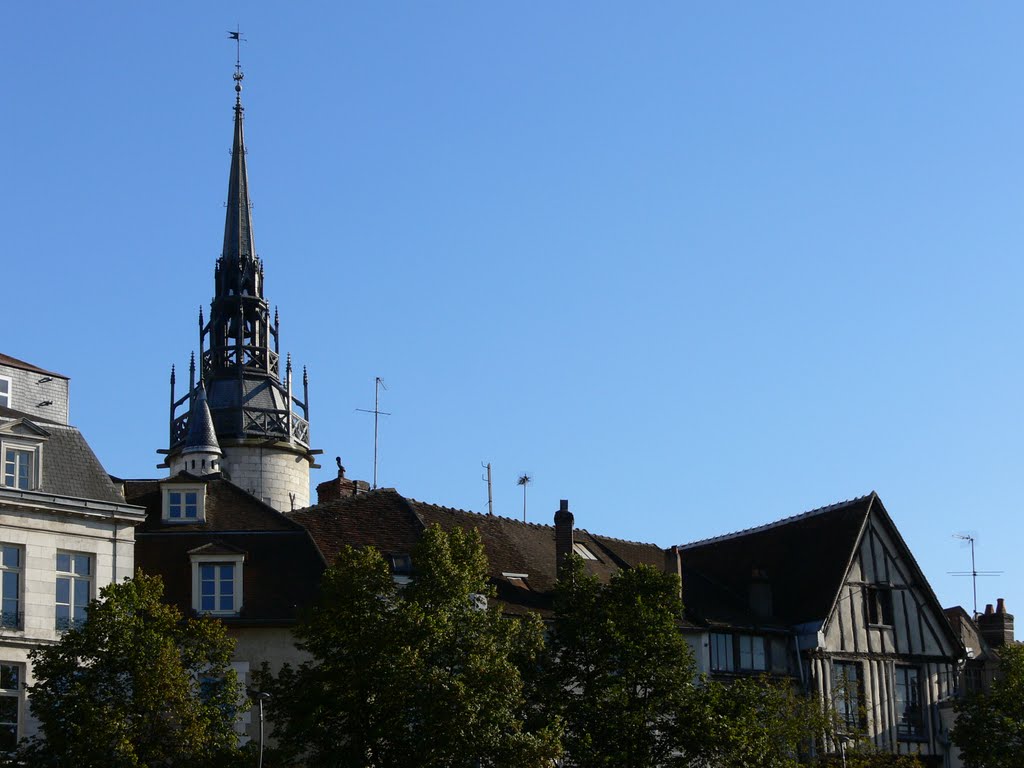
<point>694,267</point>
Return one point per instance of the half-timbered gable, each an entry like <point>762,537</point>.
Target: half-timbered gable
<point>839,589</point>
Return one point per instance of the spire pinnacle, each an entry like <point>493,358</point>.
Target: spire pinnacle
<point>239,249</point>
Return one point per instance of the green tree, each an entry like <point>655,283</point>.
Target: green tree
<point>989,727</point>
<point>416,675</point>
<point>757,722</point>
<point>136,685</point>
<point>622,676</point>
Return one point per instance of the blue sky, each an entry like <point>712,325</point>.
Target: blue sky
<point>694,267</point>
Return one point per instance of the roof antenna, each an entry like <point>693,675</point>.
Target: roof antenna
<point>490,496</point>
<point>377,413</point>
<point>974,573</point>
<point>524,480</point>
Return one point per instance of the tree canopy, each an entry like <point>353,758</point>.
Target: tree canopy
<point>420,674</point>
<point>622,675</point>
<point>989,728</point>
<point>135,685</point>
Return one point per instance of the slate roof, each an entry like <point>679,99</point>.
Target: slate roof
<point>393,523</point>
<point>201,437</point>
<point>805,558</point>
<point>281,567</point>
<point>14,362</point>
<point>70,468</point>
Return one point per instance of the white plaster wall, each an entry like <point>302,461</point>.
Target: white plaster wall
<point>254,646</point>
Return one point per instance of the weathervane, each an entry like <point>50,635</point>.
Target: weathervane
<point>237,37</point>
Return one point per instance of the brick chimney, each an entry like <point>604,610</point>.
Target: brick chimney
<point>996,626</point>
<point>563,536</point>
<point>340,487</point>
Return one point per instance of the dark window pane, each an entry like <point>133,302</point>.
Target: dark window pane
<point>11,557</point>
<point>63,562</point>
<point>81,592</point>
<point>82,565</point>
<point>9,675</point>
<point>8,737</point>
<point>64,590</point>
<point>10,588</point>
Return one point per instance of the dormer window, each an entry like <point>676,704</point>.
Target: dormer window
<point>184,503</point>
<point>5,391</point>
<point>217,579</point>
<point>20,467</point>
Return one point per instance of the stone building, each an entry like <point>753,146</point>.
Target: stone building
<point>65,529</point>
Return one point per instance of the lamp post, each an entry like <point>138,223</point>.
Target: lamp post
<point>260,697</point>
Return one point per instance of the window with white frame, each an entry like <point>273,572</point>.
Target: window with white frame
<point>217,584</point>
<point>74,588</point>
<point>10,705</point>
<point>184,503</point>
<point>5,391</point>
<point>20,466</point>
<point>10,586</point>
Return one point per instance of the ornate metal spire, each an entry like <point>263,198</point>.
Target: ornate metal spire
<point>238,257</point>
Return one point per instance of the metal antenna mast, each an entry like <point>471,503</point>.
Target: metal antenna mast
<point>377,413</point>
<point>490,496</point>
<point>974,573</point>
<point>524,480</point>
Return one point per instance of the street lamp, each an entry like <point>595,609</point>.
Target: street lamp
<point>260,697</point>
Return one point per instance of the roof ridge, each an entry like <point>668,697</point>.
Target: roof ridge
<point>621,541</point>
<point>777,523</point>
<point>479,514</point>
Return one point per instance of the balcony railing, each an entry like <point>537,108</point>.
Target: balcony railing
<point>12,620</point>
<point>259,358</point>
<point>256,422</point>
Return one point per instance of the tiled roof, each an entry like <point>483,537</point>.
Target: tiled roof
<point>392,523</point>
<point>805,558</point>
<point>70,468</point>
<point>14,362</point>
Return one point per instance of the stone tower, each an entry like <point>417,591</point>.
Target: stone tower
<point>260,427</point>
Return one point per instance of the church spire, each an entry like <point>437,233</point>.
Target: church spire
<point>239,252</point>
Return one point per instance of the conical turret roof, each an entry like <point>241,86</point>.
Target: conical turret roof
<point>201,437</point>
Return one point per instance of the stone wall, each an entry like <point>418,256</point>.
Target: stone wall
<point>270,474</point>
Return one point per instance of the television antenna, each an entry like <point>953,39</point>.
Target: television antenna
<point>974,573</point>
<point>377,413</point>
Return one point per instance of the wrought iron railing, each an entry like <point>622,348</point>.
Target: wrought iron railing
<point>12,620</point>
<point>256,422</point>
<point>221,358</point>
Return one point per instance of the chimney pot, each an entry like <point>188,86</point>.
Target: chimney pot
<point>989,610</point>
<point>563,505</point>
<point>1000,605</point>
